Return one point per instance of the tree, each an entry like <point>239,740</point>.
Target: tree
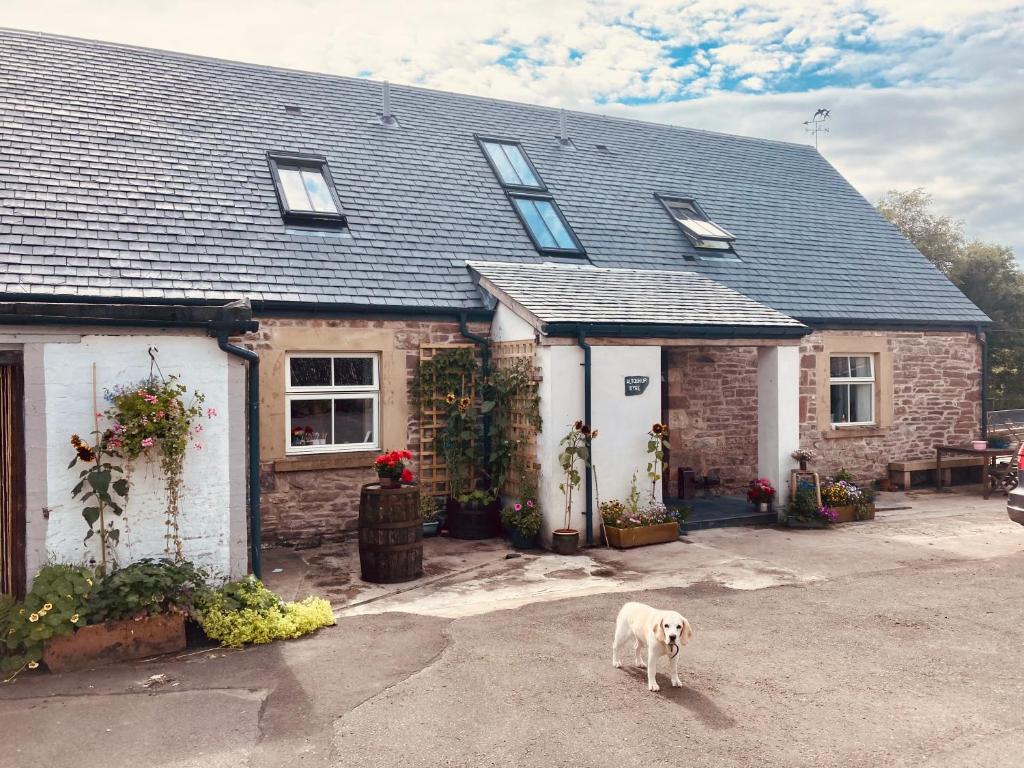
<point>939,238</point>
<point>988,275</point>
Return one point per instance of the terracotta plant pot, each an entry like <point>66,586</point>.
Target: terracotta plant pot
<point>565,541</point>
<point>116,641</point>
<point>626,538</point>
<point>388,482</point>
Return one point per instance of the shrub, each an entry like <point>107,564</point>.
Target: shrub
<point>146,588</point>
<point>246,611</point>
<point>55,605</point>
<point>524,516</point>
<point>430,509</point>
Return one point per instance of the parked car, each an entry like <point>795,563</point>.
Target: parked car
<point>1015,498</point>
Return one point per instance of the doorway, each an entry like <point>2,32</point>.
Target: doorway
<point>12,475</point>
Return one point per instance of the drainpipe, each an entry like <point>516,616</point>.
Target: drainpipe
<point>253,402</point>
<point>485,365</point>
<point>588,514</point>
<point>980,335</point>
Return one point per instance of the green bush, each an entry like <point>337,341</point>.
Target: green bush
<point>55,605</point>
<point>146,588</point>
<point>246,611</point>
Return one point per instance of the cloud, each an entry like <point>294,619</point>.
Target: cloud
<point>923,92</point>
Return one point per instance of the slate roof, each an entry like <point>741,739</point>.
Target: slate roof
<point>133,173</point>
<point>567,296</point>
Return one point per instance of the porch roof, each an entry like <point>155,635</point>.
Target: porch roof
<point>560,299</point>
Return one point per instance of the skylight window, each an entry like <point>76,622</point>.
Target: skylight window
<point>695,224</point>
<point>511,165</point>
<point>536,208</point>
<point>305,190</point>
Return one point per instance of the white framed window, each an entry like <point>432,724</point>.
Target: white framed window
<point>332,402</point>
<point>852,389</point>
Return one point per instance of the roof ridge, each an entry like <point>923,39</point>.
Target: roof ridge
<point>350,78</point>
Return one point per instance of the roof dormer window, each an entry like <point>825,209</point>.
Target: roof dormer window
<point>695,224</point>
<point>305,190</point>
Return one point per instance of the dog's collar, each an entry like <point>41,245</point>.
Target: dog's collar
<point>672,646</point>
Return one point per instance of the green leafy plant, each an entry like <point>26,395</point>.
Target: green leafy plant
<point>477,497</point>
<point>657,445</point>
<point>153,413</point>
<point>430,509</point>
<point>243,612</point>
<point>575,448</point>
<point>56,605</point>
<point>524,515</point>
<point>457,441</point>
<point>146,588</point>
<point>509,390</point>
<point>102,484</point>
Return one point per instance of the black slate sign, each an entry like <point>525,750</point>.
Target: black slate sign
<point>636,385</point>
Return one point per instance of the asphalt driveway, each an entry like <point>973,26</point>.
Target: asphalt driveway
<point>893,643</point>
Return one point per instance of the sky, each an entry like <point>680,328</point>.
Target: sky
<point>922,93</point>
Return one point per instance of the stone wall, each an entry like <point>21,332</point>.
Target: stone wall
<point>315,498</point>
<point>712,405</point>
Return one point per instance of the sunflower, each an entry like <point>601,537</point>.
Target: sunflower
<point>657,429</point>
<point>585,429</point>
<point>85,453</point>
<point>464,404</point>
<point>33,664</point>
<point>578,426</point>
<point>75,440</point>
<point>593,435</point>
<point>450,398</point>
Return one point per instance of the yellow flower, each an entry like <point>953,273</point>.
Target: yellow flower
<point>33,664</point>
<point>449,398</point>
<point>89,582</point>
<point>21,612</point>
<point>48,607</point>
<point>74,618</point>
<point>34,617</point>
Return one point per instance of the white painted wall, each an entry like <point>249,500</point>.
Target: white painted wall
<point>506,325</point>
<point>561,405</point>
<point>622,423</point>
<point>778,416</point>
<point>213,513</point>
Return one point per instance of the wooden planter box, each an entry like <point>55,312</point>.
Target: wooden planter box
<point>116,641</point>
<point>626,538</point>
<point>849,515</point>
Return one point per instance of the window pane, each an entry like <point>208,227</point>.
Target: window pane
<point>840,367</point>
<point>319,194</point>
<point>353,421</point>
<point>353,372</point>
<point>840,403</point>
<point>505,170</point>
<point>295,196</point>
<point>522,168</point>
<point>311,422</point>
<point>860,403</point>
<point>558,230</point>
<point>311,371</point>
<point>860,367</point>
<point>535,222</point>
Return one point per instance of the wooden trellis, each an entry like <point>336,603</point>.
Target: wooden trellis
<point>503,355</point>
<point>432,470</point>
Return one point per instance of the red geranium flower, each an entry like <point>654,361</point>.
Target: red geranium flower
<point>406,475</point>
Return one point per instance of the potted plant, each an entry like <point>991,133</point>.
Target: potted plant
<point>575,448</point>
<point>848,501</point>
<point>392,470</point>
<point>804,510</point>
<point>761,494</point>
<point>522,519</point>
<point>804,455</point>
<point>630,524</point>
<point>430,511</point>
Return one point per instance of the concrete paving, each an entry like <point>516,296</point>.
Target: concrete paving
<point>886,643</point>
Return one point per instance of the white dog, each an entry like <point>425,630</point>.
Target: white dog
<point>662,633</point>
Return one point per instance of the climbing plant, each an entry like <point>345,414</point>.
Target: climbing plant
<point>509,391</point>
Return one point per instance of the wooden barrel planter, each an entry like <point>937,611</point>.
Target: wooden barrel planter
<point>473,520</point>
<point>390,534</point>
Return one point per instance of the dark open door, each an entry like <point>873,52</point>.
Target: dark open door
<point>12,476</point>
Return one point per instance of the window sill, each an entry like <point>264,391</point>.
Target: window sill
<point>838,433</point>
<point>315,461</point>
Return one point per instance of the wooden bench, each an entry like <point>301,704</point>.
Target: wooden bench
<point>905,468</point>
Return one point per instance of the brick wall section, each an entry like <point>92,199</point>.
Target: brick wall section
<point>309,507</point>
<point>712,412</point>
<point>712,406</point>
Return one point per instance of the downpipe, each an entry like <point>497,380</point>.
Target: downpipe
<point>588,513</point>
<point>979,334</point>
<point>253,406</point>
